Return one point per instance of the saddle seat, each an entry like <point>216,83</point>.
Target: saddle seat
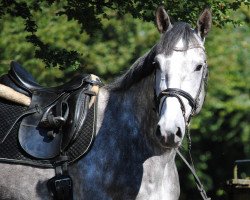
<point>55,115</point>
<point>25,80</point>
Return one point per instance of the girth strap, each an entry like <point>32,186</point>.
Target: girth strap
<point>61,185</point>
<point>197,180</point>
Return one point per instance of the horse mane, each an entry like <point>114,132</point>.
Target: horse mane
<point>143,66</point>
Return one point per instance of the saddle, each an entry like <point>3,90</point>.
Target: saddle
<point>55,115</point>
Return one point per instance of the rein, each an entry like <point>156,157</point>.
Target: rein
<point>196,178</point>
<point>178,93</point>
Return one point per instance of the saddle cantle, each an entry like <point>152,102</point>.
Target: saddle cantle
<point>53,120</point>
<point>24,79</point>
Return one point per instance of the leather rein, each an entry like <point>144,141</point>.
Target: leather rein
<point>193,102</point>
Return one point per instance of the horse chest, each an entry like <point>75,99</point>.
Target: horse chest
<point>110,170</point>
<point>160,179</point>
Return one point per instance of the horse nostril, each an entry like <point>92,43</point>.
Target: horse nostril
<point>158,132</point>
<point>178,133</point>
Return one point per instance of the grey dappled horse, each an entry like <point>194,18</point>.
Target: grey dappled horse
<point>133,155</point>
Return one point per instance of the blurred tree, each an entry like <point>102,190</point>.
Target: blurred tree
<point>221,133</point>
<point>108,52</point>
<point>89,15</point>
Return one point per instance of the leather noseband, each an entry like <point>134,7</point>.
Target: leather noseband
<point>175,92</point>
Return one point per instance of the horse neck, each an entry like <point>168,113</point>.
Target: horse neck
<point>129,119</point>
<point>130,112</point>
<point>138,101</point>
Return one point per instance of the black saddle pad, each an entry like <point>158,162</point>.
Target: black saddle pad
<point>12,152</point>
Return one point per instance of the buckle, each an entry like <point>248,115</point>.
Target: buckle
<point>63,182</point>
<point>61,187</point>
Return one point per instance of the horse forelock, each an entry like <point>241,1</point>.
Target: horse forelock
<point>169,39</point>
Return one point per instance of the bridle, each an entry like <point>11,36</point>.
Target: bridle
<point>178,93</point>
<point>193,102</point>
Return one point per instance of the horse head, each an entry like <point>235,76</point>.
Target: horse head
<point>180,75</point>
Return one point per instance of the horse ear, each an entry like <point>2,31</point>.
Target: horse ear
<point>162,20</point>
<point>204,23</point>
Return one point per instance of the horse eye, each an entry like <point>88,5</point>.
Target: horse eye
<point>198,68</point>
<point>156,64</point>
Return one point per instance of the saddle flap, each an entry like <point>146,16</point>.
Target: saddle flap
<point>78,103</point>
<point>37,139</point>
<point>42,134</point>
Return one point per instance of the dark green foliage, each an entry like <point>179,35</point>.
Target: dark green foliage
<point>53,56</point>
<point>89,13</point>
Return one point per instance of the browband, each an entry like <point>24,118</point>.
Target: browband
<point>190,47</point>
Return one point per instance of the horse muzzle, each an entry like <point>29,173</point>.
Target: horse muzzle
<point>169,139</point>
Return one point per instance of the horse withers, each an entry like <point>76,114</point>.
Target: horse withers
<point>142,118</point>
